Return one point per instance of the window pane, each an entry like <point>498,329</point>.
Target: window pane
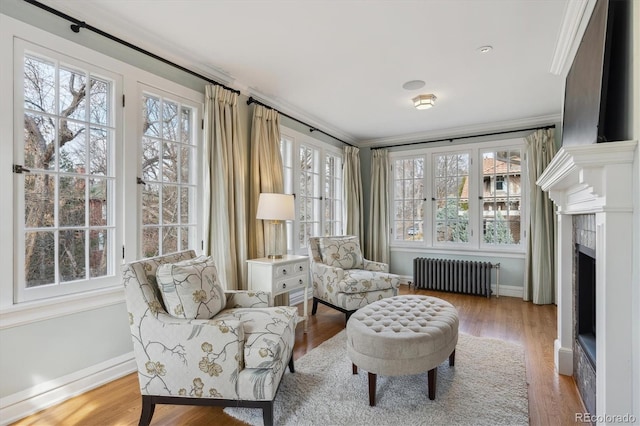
<point>170,162</point>
<point>150,157</point>
<point>40,258</point>
<point>170,121</point>
<point>73,148</point>
<point>39,196</point>
<point>169,239</point>
<point>98,249</point>
<point>99,110</point>
<point>98,201</point>
<point>151,116</point>
<point>72,255</point>
<point>98,154</point>
<point>150,242</point>
<point>151,205</point>
<point>170,204</point>
<point>39,142</point>
<point>39,85</point>
<point>71,205</point>
<point>73,87</point>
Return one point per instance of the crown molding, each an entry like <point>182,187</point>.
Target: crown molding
<point>574,22</point>
<point>454,132</point>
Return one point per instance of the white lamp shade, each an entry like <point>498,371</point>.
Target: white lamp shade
<point>273,206</point>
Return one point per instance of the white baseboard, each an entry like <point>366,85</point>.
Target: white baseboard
<point>505,290</point>
<point>508,290</point>
<point>44,395</point>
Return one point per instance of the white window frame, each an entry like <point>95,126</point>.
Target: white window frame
<point>22,293</point>
<point>476,243</point>
<point>12,32</point>
<point>294,141</point>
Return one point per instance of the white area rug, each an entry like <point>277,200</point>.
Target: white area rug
<point>487,386</point>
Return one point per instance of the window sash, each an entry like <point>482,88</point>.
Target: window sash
<point>77,175</point>
<point>168,197</point>
<point>317,186</point>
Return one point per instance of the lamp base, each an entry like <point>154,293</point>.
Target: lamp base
<point>274,256</point>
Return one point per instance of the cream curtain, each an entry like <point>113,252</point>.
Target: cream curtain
<point>378,236</point>
<point>352,182</point>
<point>539,283</point>
<point>266,176</point>
<point>225,187</point>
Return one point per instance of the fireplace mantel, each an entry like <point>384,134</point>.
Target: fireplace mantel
<point>597,178</point>
<point>590,178</point>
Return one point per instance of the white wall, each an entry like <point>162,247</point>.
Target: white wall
<point>635,120</point>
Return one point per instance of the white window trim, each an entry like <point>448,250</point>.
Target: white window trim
<point>297,139</point>
<point>475,245</point>
<point>12,314</point>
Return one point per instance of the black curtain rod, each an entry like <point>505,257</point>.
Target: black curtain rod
<point>312,129</point>
<point>78,24</point>
<point>552,126</point>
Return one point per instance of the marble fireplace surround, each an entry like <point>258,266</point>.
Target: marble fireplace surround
<point>597,178</point>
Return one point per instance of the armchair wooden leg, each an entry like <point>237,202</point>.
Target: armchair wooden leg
<point>267,414</point>
<point>314,308</point>
<point>452,358</point>
<point>291,368</point>
<point>147,410</point>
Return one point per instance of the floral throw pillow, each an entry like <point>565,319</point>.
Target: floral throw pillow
<point>343,252</point>
<point>190,288</point>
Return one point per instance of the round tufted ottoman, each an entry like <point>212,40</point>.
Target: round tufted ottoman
<point>402,335</point>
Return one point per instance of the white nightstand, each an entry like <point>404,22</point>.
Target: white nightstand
<point>279,276</point>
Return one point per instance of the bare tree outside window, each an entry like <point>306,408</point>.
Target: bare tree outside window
<point>68,137</point>
<point>168,196</point>
<point>408,203</point>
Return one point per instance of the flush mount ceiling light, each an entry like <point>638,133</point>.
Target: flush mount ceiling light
<point>424,101</point>
<point>485,49</point>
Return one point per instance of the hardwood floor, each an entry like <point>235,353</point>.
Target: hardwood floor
<point>553,399</point>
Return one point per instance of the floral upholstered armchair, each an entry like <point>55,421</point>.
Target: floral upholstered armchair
<point>343,278</point>
<point>195,343</point>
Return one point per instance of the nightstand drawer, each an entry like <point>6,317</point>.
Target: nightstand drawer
<point>288,284</point>
<point>292,269</point>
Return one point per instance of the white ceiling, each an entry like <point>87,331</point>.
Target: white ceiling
<point>340,65</point>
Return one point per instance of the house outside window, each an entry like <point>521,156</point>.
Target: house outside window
<point>501,208</point>
<point>466,197</point>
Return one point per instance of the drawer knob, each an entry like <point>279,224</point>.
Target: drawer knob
<point>300,281</point>
<point>284,272</point>
<point>284,285</point>
<point>300,268</point>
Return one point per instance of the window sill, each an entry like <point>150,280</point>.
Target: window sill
<point>29,312</point>
<point>483,252</point>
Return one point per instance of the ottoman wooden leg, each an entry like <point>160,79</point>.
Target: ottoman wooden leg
<point>372,389</point>
<point>354,368</point>
<point>452,358</point>
<point>432,376</point>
